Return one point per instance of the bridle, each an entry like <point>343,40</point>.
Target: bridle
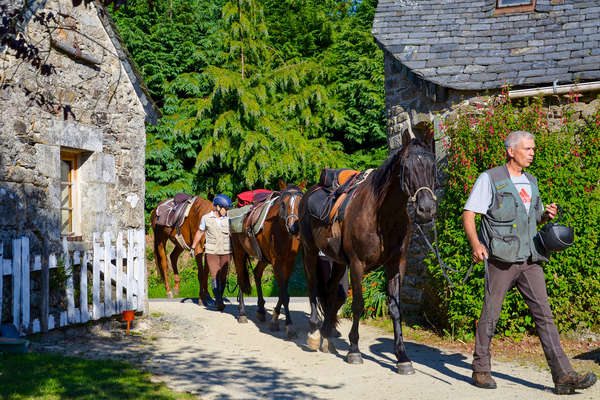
<point>293,193</point>
<point>413,198</point>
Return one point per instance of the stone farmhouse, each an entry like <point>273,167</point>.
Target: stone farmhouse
<point>442,56</point>
<point>72,126</point>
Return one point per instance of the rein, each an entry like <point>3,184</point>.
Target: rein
<point>443,266</point>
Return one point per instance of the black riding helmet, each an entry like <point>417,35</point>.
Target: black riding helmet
<point>555,237</point>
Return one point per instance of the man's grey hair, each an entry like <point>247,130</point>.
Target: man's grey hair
<point>514,138</point>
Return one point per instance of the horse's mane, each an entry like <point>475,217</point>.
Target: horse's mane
<point>382,177</point>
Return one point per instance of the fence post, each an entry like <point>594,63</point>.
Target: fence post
<point>69,284</point>
<point>46,295</point>
<point>119,277</point>
<point>142,271</point>
<point>96,311</point>
<point>37,266</point>
<point>130,277</point>
<point>16,283</point>
<point>1,275</point>
<point>25,285</point>
<point>108,309</point>
<point>83,289</point>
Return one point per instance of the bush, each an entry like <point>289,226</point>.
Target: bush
<point>567,166</point>
<point>374,294</point>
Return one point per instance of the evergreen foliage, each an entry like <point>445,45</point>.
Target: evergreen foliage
<point>254,91</point>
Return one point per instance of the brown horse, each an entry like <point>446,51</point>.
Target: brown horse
<point>162,234</point>
<point>279,244</point>
<point>375,231</point>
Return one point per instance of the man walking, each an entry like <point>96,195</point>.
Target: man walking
<point>507,197</point>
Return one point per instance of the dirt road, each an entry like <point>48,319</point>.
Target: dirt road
<point>210,354</point>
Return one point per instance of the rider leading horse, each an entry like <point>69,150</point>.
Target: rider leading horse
<point>279,244</point>
<point>162,234</point>
<point>375,231</point>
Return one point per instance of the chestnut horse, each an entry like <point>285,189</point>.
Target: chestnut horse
<point>279,244</point>
<point>375,231</point>
<point>162,234</point>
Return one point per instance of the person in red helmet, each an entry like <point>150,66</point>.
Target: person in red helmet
<point>217,247</point>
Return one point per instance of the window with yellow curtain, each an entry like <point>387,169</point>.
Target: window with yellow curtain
<point>68,168</point>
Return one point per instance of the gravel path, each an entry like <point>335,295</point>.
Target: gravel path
<point>210,354</point>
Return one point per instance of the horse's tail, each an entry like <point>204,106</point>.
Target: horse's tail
<point>323,287</point>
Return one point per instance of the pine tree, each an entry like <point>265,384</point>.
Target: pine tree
<point>268,115</point>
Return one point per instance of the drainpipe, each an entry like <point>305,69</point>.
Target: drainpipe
<point>555,89</point>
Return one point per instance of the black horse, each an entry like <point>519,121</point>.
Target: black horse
<point>375,231</point>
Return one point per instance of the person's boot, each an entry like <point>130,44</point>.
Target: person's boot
<point>206,300</point>
<point>219,295</point>
<point>484,380</point>
<point>568,383</point>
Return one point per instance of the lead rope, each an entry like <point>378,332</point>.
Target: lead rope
<point>443,266</point>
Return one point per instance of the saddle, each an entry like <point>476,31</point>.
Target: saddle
<point>174,211</point>
<point>330,198</point>
<point>261,205</point>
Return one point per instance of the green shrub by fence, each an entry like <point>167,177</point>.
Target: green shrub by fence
<point>567,166</point>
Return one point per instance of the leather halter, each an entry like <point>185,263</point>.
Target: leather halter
<point>294,193</point>
<point>413,198</point>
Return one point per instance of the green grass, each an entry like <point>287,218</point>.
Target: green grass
<point>188,273</point>
<point>51,376</point>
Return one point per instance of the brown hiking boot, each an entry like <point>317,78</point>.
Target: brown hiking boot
<point>568,383</point>
<point>484,380</point>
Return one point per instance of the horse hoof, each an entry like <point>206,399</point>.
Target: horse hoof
<point>261,316</point>
<point>405,368</point>
<point>327,346</point>
<point>170,294</point>
<point>242,319</point>
<point>313,342</point>
<point>290,333</point>
<point>354,358</point>
<point>274,326</point>
<point>220,306</point>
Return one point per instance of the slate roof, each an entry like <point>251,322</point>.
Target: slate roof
<point>462,45</point>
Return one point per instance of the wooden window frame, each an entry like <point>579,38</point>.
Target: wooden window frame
<point>73,206</point>
<point>514,9</point>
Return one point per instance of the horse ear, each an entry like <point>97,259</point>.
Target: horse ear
<point>302,185</point>
<point>282,185</point>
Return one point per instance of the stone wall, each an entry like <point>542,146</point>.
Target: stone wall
<point>414,106</point>
<point>91,110</point>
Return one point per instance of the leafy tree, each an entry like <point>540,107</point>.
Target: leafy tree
<point>268,116</point>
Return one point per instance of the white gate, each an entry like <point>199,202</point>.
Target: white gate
<point>117,281</point>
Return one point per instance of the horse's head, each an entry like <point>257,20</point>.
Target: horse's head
<point>417,180</point>
<point>289,202</point>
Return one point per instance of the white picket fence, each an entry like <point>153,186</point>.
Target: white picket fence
<point>118,281</point>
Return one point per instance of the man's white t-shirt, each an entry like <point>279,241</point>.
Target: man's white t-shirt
<point>480,199</point>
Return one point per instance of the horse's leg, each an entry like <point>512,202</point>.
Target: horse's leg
<point>332,306</point>
<point>203,281</point>
<point>358,304</point>
<point>285,298</point>
<point>310,270</point>
<point>240,258</point>
<point>174,257</point>
<point>404,366</point>
<point>160,241</point>
<point>258,273</point>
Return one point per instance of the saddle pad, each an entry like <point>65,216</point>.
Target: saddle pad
<point>236,218</point>
<point>263,215</point>
<point>249,196</point>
